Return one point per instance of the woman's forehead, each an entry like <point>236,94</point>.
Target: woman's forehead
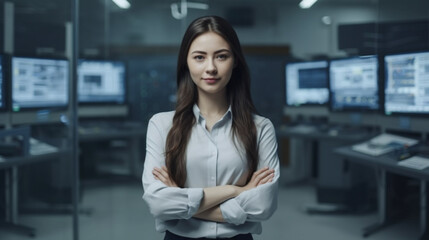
<point>209,41</point>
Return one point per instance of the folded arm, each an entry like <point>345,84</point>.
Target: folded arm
<point>257,204</point>
<point>166,201</point>
<point>213,214</point>
<point>213,196</point>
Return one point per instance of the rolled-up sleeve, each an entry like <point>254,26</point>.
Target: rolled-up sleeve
<point>257,204</point>
<point>165,203</point>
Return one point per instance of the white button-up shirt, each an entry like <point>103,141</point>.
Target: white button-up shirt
<point>212,159</point>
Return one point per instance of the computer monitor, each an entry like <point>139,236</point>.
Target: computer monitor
<point>2,84</point>
<point>406,83</point>
<point>4,118</point>
<point>353,84</point>
<point>101,82</point>
<point>39,83</point>
<point>307,83</point>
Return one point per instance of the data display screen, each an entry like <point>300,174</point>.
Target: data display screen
<point>307,83</point>
<point>2,87</point>
<point>406,83</point>
<point>101,81</point>
<point>353,84</point>
<point>39,83</point>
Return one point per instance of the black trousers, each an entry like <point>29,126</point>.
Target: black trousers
<point>172,236</point>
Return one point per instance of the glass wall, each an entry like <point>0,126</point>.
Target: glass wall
<point>37,167</point>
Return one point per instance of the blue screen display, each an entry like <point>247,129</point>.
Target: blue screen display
<point>406,83</point>
<point>2,102</point>
<point>101,81</point>
<point>353,84</point>
<point>39,83</point>
<point>307,83</point>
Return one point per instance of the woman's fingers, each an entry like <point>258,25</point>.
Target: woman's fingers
<point>263,175</point>
<point>159,175</point>
<point>268,178</point>
<point>163,172</point>
<point>162,175</point>
<point>257,173</point>
<point>260,171</point>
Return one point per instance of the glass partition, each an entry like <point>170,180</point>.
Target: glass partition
<point>37,167</point>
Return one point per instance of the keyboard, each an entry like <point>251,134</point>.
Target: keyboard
<point>383,143</point>
<point>416,162</point>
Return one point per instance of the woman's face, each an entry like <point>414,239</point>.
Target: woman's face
<point>210,62</point>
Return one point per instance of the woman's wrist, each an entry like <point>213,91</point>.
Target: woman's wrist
<point>238,190</point>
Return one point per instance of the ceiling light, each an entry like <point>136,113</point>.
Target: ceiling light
<point>202,6</point>
<point>184,5</point>
<point>124,4</point>
<point>306,3</point>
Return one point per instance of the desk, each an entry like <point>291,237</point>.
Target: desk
<point>382,164</point>
<point>10,166</point>
<point>134,134</point>
<point>335,180</point>
<point>311,132</point>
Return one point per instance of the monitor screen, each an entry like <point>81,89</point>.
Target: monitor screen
<point>353,84</point>
<point>307,83</point>
<point>101,81</point>
<point>406,83</point>
<point>39,83</point>
<point>2,86</point>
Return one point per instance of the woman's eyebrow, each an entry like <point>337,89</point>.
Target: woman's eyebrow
<point>216,52</point>
<point>199,52</point>
<point>222,50</point>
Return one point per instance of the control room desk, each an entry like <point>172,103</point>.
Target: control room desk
<point>335,180</point>
<point>312,133</point>
<point>132,134</point>
<point>383,164</point>
<point>302,150</point>
<point>10,166</point>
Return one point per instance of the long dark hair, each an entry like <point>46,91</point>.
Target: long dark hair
<point>238,93</point>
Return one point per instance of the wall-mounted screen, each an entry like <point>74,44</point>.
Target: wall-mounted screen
<point>39,83</point>
<point>353,84</point>
<point>2,84</point>
<point>101,81</point>
<point>406,83</point>
<point>307,83</point>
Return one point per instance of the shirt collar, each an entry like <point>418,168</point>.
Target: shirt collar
<point>198,116</point>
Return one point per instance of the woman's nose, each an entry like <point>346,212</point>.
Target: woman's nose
<point>211,67</point>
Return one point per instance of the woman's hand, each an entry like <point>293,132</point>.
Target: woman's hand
<point>262,176</point>
<point>161,174</point>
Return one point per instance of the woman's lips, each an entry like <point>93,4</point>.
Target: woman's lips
<point>211,80</point>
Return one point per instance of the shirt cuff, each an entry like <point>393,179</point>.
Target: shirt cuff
<point>232,212</point>
<point>194,200</point>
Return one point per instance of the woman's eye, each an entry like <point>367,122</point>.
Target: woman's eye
<point>199,58</point>
<point>222,56</point>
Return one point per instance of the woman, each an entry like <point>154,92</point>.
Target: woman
<point>211,167</point>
